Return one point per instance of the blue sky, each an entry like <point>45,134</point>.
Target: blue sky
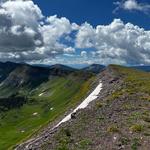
<point>93,11</point>
<point>75,32</point>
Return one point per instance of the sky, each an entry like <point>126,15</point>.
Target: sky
<point>75,31</point>
<point>93,11</point>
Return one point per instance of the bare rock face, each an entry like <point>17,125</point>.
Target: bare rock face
<point>26,75</point>
<point>19,75</point>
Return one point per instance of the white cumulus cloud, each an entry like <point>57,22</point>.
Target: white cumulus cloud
<point>132,5</point>
<point>25,34</point>
<point>116,42</point>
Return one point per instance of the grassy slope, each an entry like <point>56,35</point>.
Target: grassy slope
<point>120,119</point>
<point>60,94</point>
<point>135,82</point>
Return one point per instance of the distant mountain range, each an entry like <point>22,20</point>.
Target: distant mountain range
<point>95,68</point>
<point>25,75</point>
<point>20,74</point>
<point>22,69</point>
<point>144,68</point>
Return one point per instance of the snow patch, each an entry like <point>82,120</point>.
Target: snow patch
<point>115,138</point>
<point>22,131</point>
<point>41,94</point>
<point>35,114</point>
<point>84,104</point>
<point>51,108</point>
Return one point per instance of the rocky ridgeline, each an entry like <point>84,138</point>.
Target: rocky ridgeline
<point>108,79</point>
<point>117,119</point>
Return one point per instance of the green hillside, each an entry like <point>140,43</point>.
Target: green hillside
<point>39,105</point>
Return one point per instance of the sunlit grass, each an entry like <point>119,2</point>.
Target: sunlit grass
<point>59,95</point>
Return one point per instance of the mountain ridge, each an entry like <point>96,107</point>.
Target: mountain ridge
<point>119,117</point>
<point>95,68</point>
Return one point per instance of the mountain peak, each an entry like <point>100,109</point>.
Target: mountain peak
<point>95,68</point>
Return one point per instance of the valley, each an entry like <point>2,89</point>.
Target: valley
<point>26,107</point>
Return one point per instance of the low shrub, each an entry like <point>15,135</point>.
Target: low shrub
<point>136,128</point>
<point>113,128</point>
